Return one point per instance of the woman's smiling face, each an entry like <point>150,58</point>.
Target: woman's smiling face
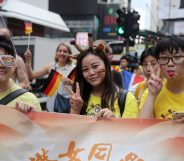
<point>93,69</point>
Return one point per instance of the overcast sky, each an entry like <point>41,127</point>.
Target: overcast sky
<point>144,9</point>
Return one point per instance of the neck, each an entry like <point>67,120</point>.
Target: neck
<point>62,64</point>
<point>5,85</point>
<point>175,86</point>
<point>97,91</point>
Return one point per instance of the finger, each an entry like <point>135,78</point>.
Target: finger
<point>69,90</point>
<point>77,88</point>
<point>179,120</point>
<point>158,74</point>
<point>105,113</point>
<point>110,114</point>
<point>73,56</point>
<point>151,69</point>
<point>17,105</point>
<point>99,114</point>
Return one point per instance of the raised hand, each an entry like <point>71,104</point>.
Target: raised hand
<point>104,113</point>
<point>24,108</point>
<point>28,56</point>
<point>67,81</point>
<point>154,83</point>
<point>76,101</point>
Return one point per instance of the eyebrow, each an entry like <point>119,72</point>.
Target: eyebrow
<point>91,64</point>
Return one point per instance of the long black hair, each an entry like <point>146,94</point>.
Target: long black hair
<point>110,90</point>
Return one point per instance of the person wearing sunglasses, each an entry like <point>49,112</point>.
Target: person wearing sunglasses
<point>165,97</point>
<point>19,75</point>
<point>26,102</point>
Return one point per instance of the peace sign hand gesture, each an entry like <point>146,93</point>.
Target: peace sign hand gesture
<point>154,83</point>
<point>76,101</point>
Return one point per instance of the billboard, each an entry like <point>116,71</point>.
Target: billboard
<point>107,18</point>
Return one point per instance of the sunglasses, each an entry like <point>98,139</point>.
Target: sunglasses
<point>7,61</point>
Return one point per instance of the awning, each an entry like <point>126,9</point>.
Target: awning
<point>24,11</point>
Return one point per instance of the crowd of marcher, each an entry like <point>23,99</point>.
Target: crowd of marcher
<point>98,88</point>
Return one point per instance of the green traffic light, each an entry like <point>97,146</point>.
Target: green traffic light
<point>120,30</point>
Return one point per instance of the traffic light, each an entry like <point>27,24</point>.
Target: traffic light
<point>127,23</point>
<point>121,22</point>
<point>134,24</point>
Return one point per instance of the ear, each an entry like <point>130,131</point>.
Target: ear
<point>100,47</point>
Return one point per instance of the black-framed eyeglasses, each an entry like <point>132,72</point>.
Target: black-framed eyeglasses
<point>163,60</point>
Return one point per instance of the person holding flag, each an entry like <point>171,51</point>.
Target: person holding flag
<point>59,73</point>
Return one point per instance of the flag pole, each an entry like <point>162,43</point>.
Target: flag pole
<point>29,36</point>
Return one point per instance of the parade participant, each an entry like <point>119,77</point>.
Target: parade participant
<point>116,75</point>
<point>25,101</point>
<point>124,61</point>
<point>19,73</point>
<point>63,65</point>
<point>95,93</point>
<point>165,98</point>
<point>147,56</point>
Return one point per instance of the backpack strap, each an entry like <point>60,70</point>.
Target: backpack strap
<point>122,100</point>
<point>139,88</point>
<point>8,98</point>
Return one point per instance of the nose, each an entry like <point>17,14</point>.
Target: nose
<point>91,72</point>
<point>1,64</point>
<point>148,68</point>
<point>170,63</point>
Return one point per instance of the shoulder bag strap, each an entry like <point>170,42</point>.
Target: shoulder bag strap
<point>5,100</point>
<point>122,100</point>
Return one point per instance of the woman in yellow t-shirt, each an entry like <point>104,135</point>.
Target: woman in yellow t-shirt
<point>95,93</point>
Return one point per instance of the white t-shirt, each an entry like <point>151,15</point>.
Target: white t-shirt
<point>65,71</point>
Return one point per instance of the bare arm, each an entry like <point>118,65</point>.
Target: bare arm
<point>148,107</point>
<point>35,74</point>
<point>22,74</point>
<point>154,86</point>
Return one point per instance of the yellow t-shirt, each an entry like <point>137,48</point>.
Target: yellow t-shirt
<point>130,111</point>
<point>165,103</point>
<point>27,98</point>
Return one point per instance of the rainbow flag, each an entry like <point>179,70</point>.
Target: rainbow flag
<point>129,79</point>
<point>52,83</point>
<point>116,68</point>
<point>28,28</point>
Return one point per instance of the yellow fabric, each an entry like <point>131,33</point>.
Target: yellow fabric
<point>131,107</point>
<point>165,103</point>
<point>140,88</point>
<point>27,98</point>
